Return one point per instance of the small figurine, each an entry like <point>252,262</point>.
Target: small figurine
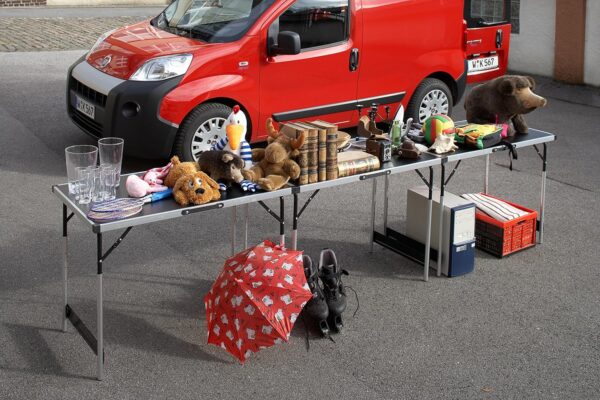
<point>443,144</point>
<point>409,150</point>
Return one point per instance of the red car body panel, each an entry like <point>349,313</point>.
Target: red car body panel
<point>400,43</point>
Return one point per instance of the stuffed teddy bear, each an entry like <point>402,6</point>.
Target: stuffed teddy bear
<point>503,100</point>
<point>197,188</point>
<point>274,166</point>
<point>178,169</point>
<point>222,166</point>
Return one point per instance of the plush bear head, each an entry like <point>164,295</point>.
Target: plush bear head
<point>178,169</point>
<point>281,147</point>
<point>197,188</point>
<point>222,165</point>
<point>518,93</point>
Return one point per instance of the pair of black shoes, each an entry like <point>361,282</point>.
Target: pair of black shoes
<point>329,296</point>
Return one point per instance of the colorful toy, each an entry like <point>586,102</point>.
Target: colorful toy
<point>436,125</point>
<point>197,188</point>
<point>274,165</point>
<point>222,166</point>
<point>236,128</point>
<point>137,187</point>
<point>479,136</point>
<point>503,100</point>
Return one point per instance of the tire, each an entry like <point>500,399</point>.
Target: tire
<point>200,129</point>
<point>431,97</point>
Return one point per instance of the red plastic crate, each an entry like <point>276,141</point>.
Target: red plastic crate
<point>503,238</point>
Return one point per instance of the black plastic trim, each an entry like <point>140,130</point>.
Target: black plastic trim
<point>336,107</point>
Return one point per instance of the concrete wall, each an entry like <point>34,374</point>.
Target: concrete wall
<point>532,50</point>
<point>591,74</point>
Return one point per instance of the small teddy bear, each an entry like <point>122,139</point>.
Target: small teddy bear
<point>197,188</point>
<point>178,169</point>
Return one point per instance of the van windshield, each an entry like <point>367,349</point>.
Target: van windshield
<point>212,21</point>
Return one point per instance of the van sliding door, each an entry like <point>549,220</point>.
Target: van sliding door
<point>487,38</point>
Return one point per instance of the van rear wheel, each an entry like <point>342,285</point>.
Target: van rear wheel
<point>431,97</point>
<point>203,127</point>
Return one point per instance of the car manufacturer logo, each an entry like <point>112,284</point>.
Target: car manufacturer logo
<point>104,62</point>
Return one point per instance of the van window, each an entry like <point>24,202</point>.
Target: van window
<point>482,13</point>
<point>213,21</point>
<point>318,22</point>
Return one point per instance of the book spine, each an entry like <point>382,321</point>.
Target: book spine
<point>348,168</point>
<point>313,156</point>
<point>322,155</point>
<point>331,159</point>
<point>303,163</point>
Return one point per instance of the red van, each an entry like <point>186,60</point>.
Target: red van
<point>167,85</point>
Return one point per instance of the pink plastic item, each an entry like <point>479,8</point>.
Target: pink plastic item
<point>137,187</point>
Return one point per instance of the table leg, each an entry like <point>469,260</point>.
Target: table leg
<point>65,267</point>
<point>385,202</point>
<point>543,196</point>
<point>246,216</point>
<point>487,174</point>
<point>295,224</point>
<point>441,221</point>
<point>233,223</point>
<point>100,313</point>
<point>373,198</point>
<point>428,236</point>
<point>282,222</point>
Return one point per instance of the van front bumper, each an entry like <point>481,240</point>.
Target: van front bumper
<point>121,108</point>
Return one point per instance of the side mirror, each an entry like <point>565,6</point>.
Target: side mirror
<point>287,43</point>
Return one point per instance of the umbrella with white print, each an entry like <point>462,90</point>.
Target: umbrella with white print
<point>256,299</point>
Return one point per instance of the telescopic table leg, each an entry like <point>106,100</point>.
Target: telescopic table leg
<point>487,174</point>
<point>295,224</point>
<point>233,223</point>
<point>282,222</point>
<point>65,267</point>
<point>246,216</point>
<point>441,221</point>
<point>543,196</point>
<point>428,236</point>
<point>374,194</point>
<point>385,203</point>
<point>100,313</point>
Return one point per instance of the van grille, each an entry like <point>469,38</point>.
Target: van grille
<point>88,93</point>
<point>86,123</point>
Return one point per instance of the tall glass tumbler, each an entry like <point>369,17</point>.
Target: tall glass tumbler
<point>111,152</point>
<point>79,156</point>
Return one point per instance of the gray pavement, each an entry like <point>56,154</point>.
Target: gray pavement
<point>524,327</point>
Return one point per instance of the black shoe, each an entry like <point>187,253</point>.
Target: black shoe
<point>316,308</point>
<point>333,288</point>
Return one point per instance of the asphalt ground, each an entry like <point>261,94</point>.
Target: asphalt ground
<point>523,327</point>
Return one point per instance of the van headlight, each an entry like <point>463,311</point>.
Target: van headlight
<point>159,68</point>
<point>101,40</point>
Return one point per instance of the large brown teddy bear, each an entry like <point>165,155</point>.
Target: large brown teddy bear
<point>274,166</point>
<point>503,100</point>
<point>197,188</point>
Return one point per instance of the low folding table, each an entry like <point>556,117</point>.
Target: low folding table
<point>168,209</point>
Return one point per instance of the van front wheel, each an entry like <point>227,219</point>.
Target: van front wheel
<point>203,127</point>
<point>431,97</point>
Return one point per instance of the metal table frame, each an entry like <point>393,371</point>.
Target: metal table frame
<point>244,199</point>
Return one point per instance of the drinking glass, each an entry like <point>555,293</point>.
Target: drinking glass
<point>111,152</point>
<point>79,156</point>
<point>85,184</point>
<point>98,185</point>
<point>109,174</point>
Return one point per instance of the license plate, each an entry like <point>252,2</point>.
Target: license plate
<point>85,107</point>
<point>479,65</point>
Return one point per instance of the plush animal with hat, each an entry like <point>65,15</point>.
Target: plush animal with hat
<point>274,165</point>
<point>503,100</point>
<point>197,188</point>
<point>439,124</point>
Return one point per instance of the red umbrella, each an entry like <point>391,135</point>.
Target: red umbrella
<point>256,299</point>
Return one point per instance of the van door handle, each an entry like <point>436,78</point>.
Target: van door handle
<point>353,59</point>
<point>499,38</point>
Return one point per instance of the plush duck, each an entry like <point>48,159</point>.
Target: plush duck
<point>235,141</point>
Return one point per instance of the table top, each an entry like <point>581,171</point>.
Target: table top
<point>234,196</point>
